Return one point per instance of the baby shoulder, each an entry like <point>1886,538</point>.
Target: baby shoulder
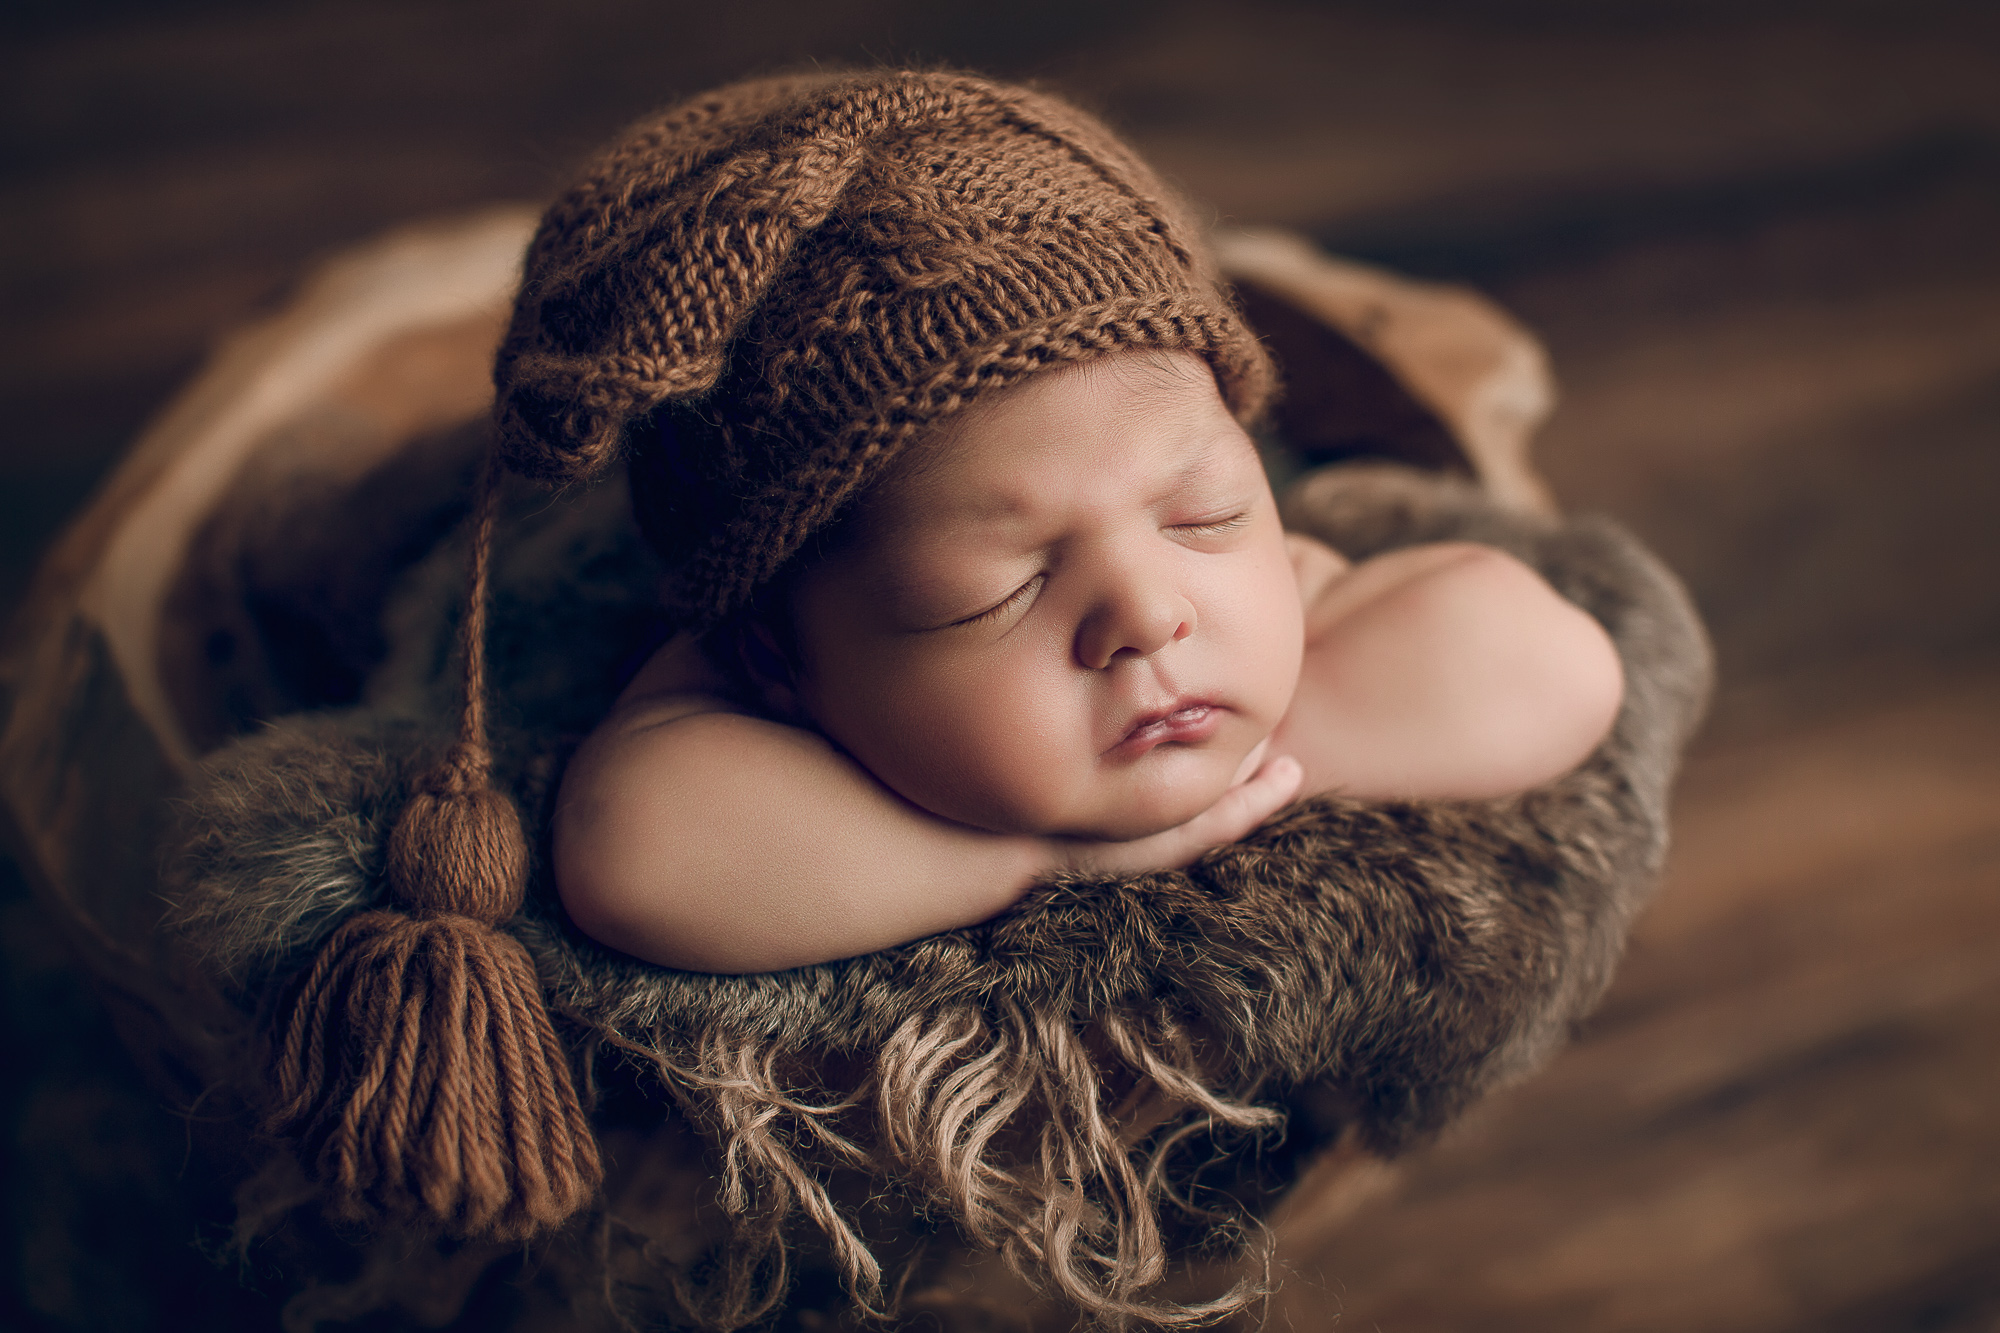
<point>1450,670</point>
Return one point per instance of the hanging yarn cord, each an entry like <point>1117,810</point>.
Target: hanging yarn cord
<point>414,1061</point>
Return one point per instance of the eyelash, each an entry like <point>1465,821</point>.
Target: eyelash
<point>1220,525</point>
<point>1000,608</point>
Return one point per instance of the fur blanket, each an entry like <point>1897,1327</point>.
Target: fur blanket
<point>1079,1082</point>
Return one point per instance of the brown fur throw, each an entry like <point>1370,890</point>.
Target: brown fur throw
<point>1082,1082</point>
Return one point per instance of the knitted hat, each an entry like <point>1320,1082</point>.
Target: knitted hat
<point>816,268</point>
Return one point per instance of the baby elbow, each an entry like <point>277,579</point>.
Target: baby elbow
<point>650,862</point>
<point>1553,663</point>
<point>613,891</point>
<point>596,899</point>
<point>1600,685</point>
<point>1574,686</point>
<point>645,920</point>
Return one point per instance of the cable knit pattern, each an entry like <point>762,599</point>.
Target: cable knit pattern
<point>815,268</point>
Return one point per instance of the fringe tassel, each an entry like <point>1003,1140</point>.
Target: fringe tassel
<point>419,1071</point>
<point>998,1121</point>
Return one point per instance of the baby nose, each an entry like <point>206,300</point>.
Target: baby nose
<point>1134,623</point>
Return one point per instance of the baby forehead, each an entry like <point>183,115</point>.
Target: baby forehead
<point>1134,427</point>
<point>970,490</point>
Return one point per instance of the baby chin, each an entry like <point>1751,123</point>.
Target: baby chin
<point>1129,791</point>
<point>1102,802</point>
<point>1167,787</point>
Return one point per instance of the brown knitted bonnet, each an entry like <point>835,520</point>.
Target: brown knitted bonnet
<point>812,269</point>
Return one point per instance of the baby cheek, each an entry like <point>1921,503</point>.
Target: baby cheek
<point>1285,651</point>
<point>1023,747</point>
<point>971,745</point>
<point>1263,626</point>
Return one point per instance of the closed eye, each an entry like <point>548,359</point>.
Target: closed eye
<point>1002,607</point>
<point>1215,527</point>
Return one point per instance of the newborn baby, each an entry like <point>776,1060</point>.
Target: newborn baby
<point>1064,631</point>
<point>933,405</point>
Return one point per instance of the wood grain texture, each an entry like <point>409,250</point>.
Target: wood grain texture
<point>1758,241</point>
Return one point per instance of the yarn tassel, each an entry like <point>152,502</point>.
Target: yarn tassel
<point>415,1061</point>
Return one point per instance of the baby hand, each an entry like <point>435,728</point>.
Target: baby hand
<point>1262,786</point>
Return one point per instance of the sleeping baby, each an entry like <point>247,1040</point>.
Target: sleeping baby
<point>935,410</point>
<point>1066,632</point>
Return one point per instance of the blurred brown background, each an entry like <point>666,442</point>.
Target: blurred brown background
<point>1760,240</point>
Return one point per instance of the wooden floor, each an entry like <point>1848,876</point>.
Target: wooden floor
<point>1760,241</point>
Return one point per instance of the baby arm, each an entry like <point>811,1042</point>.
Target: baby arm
<point>1446,671</point>
<point>693,834</point>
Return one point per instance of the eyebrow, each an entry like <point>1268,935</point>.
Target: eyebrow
<point>1207,460</point>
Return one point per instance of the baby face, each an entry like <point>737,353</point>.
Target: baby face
<point>1071,613</point>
